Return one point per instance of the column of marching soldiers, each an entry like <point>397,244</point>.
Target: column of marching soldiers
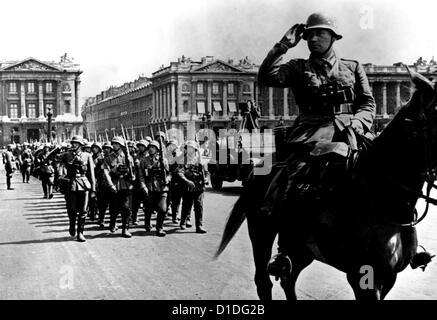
<point>158,175</point>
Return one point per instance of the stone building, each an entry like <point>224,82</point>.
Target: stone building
<point>129,105</point>
<point>28,89</point>
<point>207,93</point>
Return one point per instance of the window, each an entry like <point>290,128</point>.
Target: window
<point>67,106</point>
<point>185,105</point>
<point>31,87</point>
<point>231,88</point>
<point>12,87</point>
<point>13,110</point>
<point>246,88</point>
<point>200,88</point>
<point>200,107</point>
<point>49,87</point>
<point>232,107</point>
<point>31,113</point>
<point>217,106</point>
<point>215,88</point>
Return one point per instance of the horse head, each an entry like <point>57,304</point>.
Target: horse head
<point>422,108</point>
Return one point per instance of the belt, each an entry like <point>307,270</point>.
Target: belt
<point>329,110</point>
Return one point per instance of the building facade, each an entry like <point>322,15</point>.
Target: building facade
<point>28,89</point>
<point>129,105</point>
<point>193,95</point>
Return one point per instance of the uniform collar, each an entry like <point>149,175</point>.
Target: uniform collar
<point>330,59</point>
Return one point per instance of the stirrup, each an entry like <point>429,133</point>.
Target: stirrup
<point>279,266</point>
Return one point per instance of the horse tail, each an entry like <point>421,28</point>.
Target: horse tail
<point>235,220</point>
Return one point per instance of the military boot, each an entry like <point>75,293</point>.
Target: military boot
<point>125,228</point>
<point>159,225</point>
<point>72,228</point>
<point>80,229</point>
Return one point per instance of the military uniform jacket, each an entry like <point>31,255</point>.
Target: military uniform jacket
<point>79,167</point>
<point>137,161</point>
<point>26,158</point>
<point>115,170</point>
<point>98,168</point>
<point>154,174</point>
<point>46,164</point>
<point>322,88</point>
<point>192,170</point>
<point>9,159</point>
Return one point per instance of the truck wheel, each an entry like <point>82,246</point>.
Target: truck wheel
<point>216,182</point>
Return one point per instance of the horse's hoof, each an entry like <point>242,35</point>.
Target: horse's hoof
<point>279,266</point>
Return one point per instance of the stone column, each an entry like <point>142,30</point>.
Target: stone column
<point>286,112</point>
<point>23,98</point>
<point>225,99</point>
<point>76,98</point>
<point>173,102</point>
<point>384,100</point>
<point>4,103</point>
<point>193,106</point>
<point>398,94</point>
<point>59,104</point>
<point>209,97</point>
<point>40,100</point>
<point>252,91</point>
<point>271,109</point>
<point>73,97</point>
<point>169,103</point>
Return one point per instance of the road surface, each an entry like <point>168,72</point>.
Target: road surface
<point>39,260</point>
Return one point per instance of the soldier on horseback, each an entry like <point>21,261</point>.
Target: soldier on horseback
<point>335,103</point>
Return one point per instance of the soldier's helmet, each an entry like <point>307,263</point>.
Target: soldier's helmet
<point>172,141</point>
<point>64,145</point>
<point>191,143</point>
<point>107,144</point>
<point>155,144</point>
<point>130,143</point>
<point>118,140</point>
<point>143,142</point>
<point>47,145</point>
<point>98,145</point>
<point>88,144</point>
<point>10,146</point>
<point>321,21</point>
<point>160,134</point>
<point>77,139</point>
<point>148,139</point>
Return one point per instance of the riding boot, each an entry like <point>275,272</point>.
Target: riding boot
<point>50,191</point>
<point>72,228</point>
<point>80,229</point>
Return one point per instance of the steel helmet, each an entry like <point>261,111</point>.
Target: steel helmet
<point>47,145</point>
<point>118,140</point>
<point>130,143</point>
<point>172,141</point>
<point>88,144</point>
<point>98,145</point>
<point>155,144</point>
<point>191,143</point>
<point>321,21</point>
<point>148,139</point>
<point>160,134</point>
<point>77,139</point>
<point>143,142</point>
<point>107,144</point>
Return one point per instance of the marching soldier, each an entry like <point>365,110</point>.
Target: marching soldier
<point>96,150</point>
<point>79,168</point>
<point>137,196</point>
<point>87,147</point>
<point>26,162</point>
<point>174,157</point>
<point>46,172</point>
<point>154,178</point>
<point>9,165</point>
<point>103,193</point>
<point>192,177</point>
<point>119,176</point>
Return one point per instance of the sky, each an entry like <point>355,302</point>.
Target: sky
<point>116,41</point>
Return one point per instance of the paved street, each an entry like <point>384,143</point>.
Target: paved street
<point>39,260</point>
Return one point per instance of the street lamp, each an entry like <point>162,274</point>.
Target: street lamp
<point>49,124</point>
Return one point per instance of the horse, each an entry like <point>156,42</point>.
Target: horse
<point>368,232</point>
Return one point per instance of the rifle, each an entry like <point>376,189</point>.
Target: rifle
<point>166,132</point>
<point>106,133</point>
<point>127,154</point>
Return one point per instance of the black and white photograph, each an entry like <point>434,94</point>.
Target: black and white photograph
<point>244,150</point>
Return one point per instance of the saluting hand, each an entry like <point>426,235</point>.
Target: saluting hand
<point>293,35</point>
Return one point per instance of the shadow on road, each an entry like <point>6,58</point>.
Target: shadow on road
<point>227,191</point>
